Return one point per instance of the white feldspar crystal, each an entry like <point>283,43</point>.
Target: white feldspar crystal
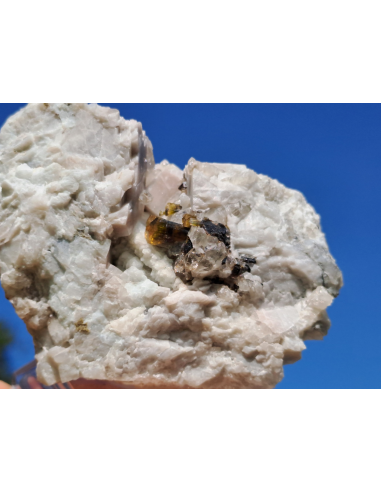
<point>77,186</point>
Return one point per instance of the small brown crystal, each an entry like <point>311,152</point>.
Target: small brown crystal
<point>161,232</point>
<point>183,187</point>
<point>170,209</point>
<point>190,220</point>
<point>82,327</point>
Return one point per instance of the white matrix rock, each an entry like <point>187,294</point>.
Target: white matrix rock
<point>78,183</point>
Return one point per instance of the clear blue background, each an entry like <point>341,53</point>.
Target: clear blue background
<point>331,153</point>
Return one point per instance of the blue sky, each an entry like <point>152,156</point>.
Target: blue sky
<point>332,154</point>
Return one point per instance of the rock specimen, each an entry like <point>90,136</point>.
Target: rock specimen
<point>127,271</point>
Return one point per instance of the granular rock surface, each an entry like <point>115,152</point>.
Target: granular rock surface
<point>127,271</point>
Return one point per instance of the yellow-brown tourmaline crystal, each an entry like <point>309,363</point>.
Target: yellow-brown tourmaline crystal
<point>161,232</point>
<point>171,209</point>
<point>190,220</point>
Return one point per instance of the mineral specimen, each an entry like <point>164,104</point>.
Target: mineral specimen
<point>126,271</point>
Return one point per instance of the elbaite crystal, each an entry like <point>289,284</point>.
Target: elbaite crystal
<point>190,220</point>
<point>161,232</point>
<point>171,209</point>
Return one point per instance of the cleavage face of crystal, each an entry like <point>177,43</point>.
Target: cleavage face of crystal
<point>218,291</point>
